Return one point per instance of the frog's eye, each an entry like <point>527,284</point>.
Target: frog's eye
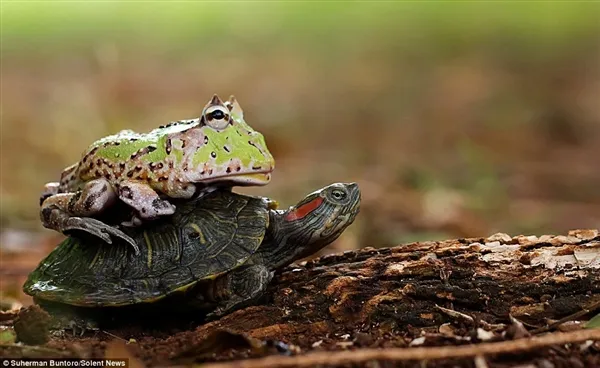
<point>217,117</point>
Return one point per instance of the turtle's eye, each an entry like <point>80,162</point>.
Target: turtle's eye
<point>338,194</point>
<point>217,117</point>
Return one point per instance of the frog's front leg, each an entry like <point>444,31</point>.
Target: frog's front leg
<point>64,212</point>
<point>50,189</point>
<point>144,200</point>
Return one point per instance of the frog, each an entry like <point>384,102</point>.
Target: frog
<point>147,171</point>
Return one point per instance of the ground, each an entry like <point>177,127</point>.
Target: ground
<point>491,292</point>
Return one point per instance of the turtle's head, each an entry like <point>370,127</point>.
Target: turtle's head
<point>316,221</point>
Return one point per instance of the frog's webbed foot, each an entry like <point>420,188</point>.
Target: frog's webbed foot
<point>72,211</point>
<point>99,229</point>
<point>144,200</point>
<point>64,223</point>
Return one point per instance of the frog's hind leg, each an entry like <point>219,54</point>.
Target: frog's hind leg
<point>144,200</point>
<point>64,212</point>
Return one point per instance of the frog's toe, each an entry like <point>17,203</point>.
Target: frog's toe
<point>88,225</point>
<point>134,222</point>
<point>99,229</point>
<point>161,207</point>
<point>119,234</point>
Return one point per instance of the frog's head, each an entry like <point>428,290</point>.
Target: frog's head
<point>229,150</point>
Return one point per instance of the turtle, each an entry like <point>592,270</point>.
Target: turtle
<point>215,254</point>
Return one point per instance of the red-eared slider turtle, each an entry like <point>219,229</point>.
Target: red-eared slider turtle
<point>219,252</point>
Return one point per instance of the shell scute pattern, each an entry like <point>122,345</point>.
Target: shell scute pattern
<point>171,258</point>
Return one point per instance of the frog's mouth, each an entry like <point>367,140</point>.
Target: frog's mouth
<point>254,178</point>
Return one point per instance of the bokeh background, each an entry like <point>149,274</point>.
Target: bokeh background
<point>456,118</point>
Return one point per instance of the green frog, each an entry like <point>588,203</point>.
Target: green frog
<point>180,160</point>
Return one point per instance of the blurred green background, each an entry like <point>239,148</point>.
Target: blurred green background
<point>456,118</point>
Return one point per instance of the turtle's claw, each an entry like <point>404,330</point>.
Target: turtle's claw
<point>73,326</point>
<point>99,229</point>
<point>214,315</point>
<point>221,311</point>
<point>58,333</point>
<point>81,326</point>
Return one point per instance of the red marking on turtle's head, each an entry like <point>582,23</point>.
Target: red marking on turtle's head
<point>304,209</point>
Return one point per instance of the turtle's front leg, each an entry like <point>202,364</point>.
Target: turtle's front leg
<point>245,286</point>
<point>65,212</point>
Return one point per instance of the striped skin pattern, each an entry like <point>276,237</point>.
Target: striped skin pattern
<point>172,161</point>
<point>292,237</point>
<point>220,252</point>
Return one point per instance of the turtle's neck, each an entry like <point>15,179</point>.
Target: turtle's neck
<point>286,242</point>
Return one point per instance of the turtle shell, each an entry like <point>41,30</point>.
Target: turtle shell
<point>205,238</point>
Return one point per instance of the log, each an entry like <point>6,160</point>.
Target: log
<point>465,302</point>
<point>389,297</point>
